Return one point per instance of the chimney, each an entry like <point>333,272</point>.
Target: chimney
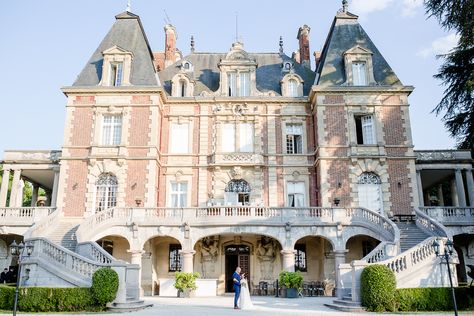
<point>317,58</point>
<point>303,37</point>
<point>170,44</point>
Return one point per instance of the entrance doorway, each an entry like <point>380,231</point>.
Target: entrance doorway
<point>236,256</point>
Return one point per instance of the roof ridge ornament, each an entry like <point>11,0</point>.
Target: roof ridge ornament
<point>345,6</point>
<point>281,44</point>
<point>192,43</point>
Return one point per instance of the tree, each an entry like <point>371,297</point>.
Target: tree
<point>457,71</point>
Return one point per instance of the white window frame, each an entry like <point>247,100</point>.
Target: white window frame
<point>293,143</point>
<point>292,88</point>
<point>111,130</point>
<point>238,84</point>
<point>116,74</point>
<point>105,194</point>
<point>359,73</point>
<point>296,197</point>
<point>178,194</point>
<point>179,138</point>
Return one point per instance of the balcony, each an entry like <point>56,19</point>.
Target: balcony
<point>23,216</point>
<point>239,159</point>
<point>450,215</point>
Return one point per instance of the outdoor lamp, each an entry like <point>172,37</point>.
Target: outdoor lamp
<point>29,249</point>
<point>436,247</point>
<point>450,246</point>
<point>14,248</point>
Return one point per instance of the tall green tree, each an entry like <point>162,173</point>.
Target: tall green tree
<point>457,71</point>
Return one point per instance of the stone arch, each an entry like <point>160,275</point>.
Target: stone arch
<point>360,245</point>
<point>292,91</point>
<point>326,232</point>
<point>177,88</point>
<point>116,245</point>
<point>314,257</point>
<point>352,231</point>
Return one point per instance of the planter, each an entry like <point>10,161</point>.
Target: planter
<point>186,293</point>
<point>291,293</point>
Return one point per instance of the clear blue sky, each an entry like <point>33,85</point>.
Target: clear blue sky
<point>45,44</point>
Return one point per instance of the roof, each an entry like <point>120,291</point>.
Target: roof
<point>346,33</point>
<point>128,34</point>
<point>206,72</point>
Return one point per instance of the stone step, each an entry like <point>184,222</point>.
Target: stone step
<point>129,306</point>
<point>344,308</point>
<point>346,303</point>
<point>347,297</point>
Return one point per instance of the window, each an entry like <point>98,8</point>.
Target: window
<point>295,191</point>
<point>238,84</point>
<point>359,74</point>
<point>244,144</point>
<point>179,194</point>
<point>112,130</point>
<point>292,88</point>
<point>179,139</point>
<point>367,247</point>
<point>182,88</point>
<point>174,258</point>
<point>237,192</point>
<point>106,192</point>
<point>365,130</point>
<point>300,257</point>
<point>116,70</point>
<point>294,138</point>
<point>370,191</point>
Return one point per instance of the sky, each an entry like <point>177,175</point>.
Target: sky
<point>46,43</point>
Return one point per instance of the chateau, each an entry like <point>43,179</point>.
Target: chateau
<point>212,160</point>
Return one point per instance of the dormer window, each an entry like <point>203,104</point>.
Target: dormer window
<point>287,66</point>
<point>186,66</point>
<point>116,67</point>
<point>359,67</point>
<point>359,73</point>
<point>238,84</point>
<point>116,73</point>
<point>292,86</point>
<point>182,86</point>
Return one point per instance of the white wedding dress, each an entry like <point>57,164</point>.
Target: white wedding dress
<point>244,301</point>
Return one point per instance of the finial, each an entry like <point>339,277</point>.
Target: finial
<point>236,26</point>
<point>281,44</point>
<point>129,6</point>
<point>192,44</point>
<point>345,5</point>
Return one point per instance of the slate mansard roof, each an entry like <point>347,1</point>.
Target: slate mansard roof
<point>206,72</point>
<point>345,33</point>
<point>127,33</point>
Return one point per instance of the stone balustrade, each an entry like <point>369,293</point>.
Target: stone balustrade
<point>23,216</point>
<point>450,215</point>
<point>430,225</point>
<point>235,215</point>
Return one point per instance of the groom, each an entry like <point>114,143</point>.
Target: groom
<point>236,280</point>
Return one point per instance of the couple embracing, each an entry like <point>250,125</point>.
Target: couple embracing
<point>241,289</point>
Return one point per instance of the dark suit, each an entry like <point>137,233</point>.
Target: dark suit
<point>236,277</point>
<point>3,277</point>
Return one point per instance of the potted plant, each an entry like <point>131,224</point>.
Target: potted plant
<point>185,283</point>
<point>292,281</point>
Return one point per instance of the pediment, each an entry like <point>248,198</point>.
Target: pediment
<point>358,50</point>
<point>116,50</point>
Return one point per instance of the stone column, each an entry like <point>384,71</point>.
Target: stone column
<point>188,257</point>
<point>470,187</point>
<point>288,262</point>
<point>420,187</point>
<point>16,186</point>
<point>460,188</point>
<point>54,195</point>
<point>440,195</point>
<point>4,187</point>
<point>454,196</point>
<point>34,196</point>
<point>137,259</point>
<point>339,258</point>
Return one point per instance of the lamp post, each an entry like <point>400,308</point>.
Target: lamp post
<point>19,251</point>
<point>447,254</point>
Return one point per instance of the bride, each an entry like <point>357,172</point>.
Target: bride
<point>245,301</point>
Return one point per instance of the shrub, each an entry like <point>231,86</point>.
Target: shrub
<point>104,285</point>
<point>433,299</point>
<point>41,299</point>
<point>291,280</point>
<point>378,286</point>
<point>186,280</point>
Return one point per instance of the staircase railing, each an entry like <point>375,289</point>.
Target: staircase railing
<point>42,227</point>
<point>430,225</point>
<point>92,250</point>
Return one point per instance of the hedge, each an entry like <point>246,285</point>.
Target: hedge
<point>378,286</point>
<point>42,299</point>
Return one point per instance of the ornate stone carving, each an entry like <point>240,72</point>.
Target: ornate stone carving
<point>266,254</point>
<point>209,253</point>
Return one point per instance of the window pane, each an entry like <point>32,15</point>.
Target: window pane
<point>294,129</point>
<point>359,74</point>
<point>228,138</point>
<point>246,137</point>
<point>244,84</point>
<point>118,77</point>
<point>232,81</point>
<point>292,88</point>
<point>368,129</point>
<point>179,138</point>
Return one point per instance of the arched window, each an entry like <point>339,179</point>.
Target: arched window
<point>292,88</point>
<point>370,191</point>
<point>106,192</point>
<point>237,192</point>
